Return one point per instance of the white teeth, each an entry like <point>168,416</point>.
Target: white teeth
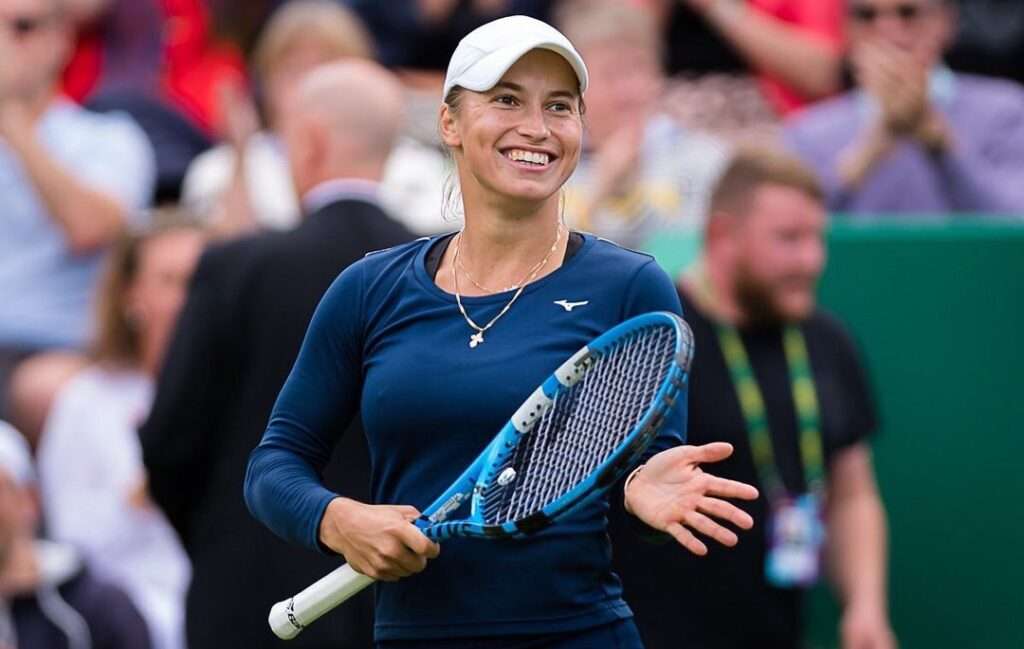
<point>528,156</point>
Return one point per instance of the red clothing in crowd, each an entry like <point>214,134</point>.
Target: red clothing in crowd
<point>820,19</point>
<point>192,62</point>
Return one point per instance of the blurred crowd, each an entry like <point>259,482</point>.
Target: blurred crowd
<point>136,135</point>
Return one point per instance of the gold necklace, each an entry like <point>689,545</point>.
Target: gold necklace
<point>478,337</point>
<point>465,271</point>
<point>477,284</point>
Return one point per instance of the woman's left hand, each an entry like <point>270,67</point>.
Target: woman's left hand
<point>671,493</point>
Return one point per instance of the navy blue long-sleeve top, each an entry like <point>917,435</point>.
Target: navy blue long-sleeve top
<point>387,342</point>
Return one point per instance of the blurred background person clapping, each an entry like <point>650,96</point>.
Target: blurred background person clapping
<point>914,137</point>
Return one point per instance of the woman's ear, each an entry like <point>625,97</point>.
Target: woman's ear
<point>448,126</point>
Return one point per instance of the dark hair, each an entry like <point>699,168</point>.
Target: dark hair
<point>454,98</point>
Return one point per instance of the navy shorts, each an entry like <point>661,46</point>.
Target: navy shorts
<point>621,634</point>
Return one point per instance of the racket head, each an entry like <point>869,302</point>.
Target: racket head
<point>576,435</point>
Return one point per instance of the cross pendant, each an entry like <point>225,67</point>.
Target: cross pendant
<point>476,339</point>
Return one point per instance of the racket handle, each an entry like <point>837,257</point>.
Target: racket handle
<point>289,617</point>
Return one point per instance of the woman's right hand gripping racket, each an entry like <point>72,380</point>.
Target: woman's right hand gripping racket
<point>582,430</point>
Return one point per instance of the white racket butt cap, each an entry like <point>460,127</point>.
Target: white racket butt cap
<point>280,622</point>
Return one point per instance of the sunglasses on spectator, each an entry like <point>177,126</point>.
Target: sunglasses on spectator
<point>865,13</point>
<point>24,26</point>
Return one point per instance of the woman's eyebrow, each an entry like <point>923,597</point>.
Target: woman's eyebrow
<point>508,85</point>
<point>563,94</point>
<point>515,87</point>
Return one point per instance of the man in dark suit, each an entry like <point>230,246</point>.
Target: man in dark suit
<point>238,335</point>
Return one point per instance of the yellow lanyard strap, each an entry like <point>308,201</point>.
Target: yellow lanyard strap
<point>752,406</point>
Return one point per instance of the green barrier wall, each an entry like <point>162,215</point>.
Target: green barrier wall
<point>939,313</point>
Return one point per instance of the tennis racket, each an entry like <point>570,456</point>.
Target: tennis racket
<point>582,430</point>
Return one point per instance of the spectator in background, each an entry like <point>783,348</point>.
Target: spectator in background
<point>914,137</point>
<point>740,64</point>
<point>422,34</point>
<point>239,333</point>
<point>782,382</point>
<point>90,461</point>
<point>241,21</point>
<point>48,599</point>
<point>640,171</point>
<point>245,183</point>
<point>162,49</point>
<point>159,61</point>
<point>71,182</point>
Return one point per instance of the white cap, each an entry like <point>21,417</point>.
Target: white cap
<point>487,52</point>
<point>15,455</point>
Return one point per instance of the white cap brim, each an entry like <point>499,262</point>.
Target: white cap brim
<point>484,56</point>
<point>488,71</point>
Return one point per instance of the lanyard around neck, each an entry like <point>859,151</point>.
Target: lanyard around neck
<point>754,414</point>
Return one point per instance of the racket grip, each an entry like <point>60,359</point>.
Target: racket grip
<point>289,617</point>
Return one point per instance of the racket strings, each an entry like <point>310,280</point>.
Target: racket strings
<point>573,456</point>
<point>583,427</point>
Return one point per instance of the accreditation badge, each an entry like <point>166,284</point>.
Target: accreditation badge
<point>796,538</point>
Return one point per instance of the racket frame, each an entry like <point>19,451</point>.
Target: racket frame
<point>470,486</point>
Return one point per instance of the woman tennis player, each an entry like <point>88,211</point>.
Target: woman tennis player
<point>438,341</point>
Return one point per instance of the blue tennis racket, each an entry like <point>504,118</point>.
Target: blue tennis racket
<point>581,431</point>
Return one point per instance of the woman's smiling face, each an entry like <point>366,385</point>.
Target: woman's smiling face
<point>521,139</point>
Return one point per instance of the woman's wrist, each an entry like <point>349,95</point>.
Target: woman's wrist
<point>625,487</point>
<point>336,511</point>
